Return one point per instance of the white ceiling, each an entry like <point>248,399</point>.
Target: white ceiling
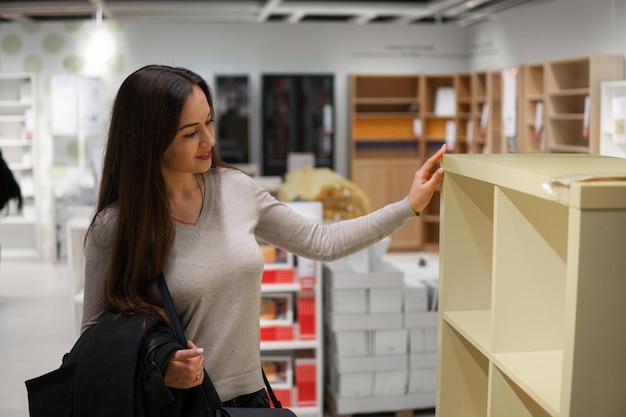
<point>457,12</point>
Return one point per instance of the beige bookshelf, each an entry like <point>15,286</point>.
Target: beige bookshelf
<point>531,286</point>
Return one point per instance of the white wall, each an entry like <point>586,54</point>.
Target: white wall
<point>544,30</point>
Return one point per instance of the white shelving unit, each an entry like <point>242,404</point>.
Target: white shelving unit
<point>312,345</point>
<point>19,232</point>
<point>532,287</point>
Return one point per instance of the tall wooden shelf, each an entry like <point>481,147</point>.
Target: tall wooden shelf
<point>385,149</point>
<point>572,88</point>
<point>532,107</point>
<point>464,112</point>
<point>531,286</point>
<point>436,118</point>
<point>396,124</point>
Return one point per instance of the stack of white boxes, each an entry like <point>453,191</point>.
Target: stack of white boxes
<point>381,338</point>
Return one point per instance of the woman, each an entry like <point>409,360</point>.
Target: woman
<point>168,204</point>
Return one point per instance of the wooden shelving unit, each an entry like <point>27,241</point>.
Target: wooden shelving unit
<point>385,146</point>
<point>439,111</point>
<point>397,123</point>
<point>532,109</point>
<point>531,290</point>
<point>480,97</point>
<point>464,112</point>
<point>18,144</point>
<point>495,141</point>
<point>572,88</point>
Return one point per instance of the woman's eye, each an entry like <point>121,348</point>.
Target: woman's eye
<point>190,135</point>
<point>210,122</point>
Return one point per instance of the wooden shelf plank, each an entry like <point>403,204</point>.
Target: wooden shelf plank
<point>474,325</point>
<point>537,373</point>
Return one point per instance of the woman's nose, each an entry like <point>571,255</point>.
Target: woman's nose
<point>208,137</point>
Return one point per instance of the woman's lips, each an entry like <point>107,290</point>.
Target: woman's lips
<point>206,156</point>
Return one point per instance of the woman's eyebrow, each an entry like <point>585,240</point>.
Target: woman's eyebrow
<point>187,125</point>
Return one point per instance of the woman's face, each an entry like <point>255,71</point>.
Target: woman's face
<point>190,151</point>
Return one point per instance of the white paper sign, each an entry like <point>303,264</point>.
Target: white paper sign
<point>91,107</point>
<point>586,118</point>
<point>64,105</point>
<point>445,102</point>
<point>618,117</point>
<point>538,119</point>
<point>450,134</point>
<point>417,128</point>
<point>470,132</point>
<point>509,111</point>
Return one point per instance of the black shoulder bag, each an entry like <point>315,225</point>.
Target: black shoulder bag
<point>210,396</point>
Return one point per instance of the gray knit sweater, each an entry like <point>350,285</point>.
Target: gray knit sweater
<point>215,267</point>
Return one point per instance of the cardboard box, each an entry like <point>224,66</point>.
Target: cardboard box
<point>346,301</point>
<point>417,401</point>
<point>390,382</point>
<point>350,343</point>
<point>348,364</point>
<point>354,385</point>
<point>433,294</point>
<point>340,276</point>
<point>385,300</point>
<point>420,320</point>
<point>422,380</point>
<point>415,296</point>
<point>423,360</point>
<point>390,342</point>
<point>370,404</point>
<point>338,322</point>
<point>430,339</point>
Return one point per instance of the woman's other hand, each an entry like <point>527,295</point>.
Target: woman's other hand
<point>426,181</point>
<point>186,368</point>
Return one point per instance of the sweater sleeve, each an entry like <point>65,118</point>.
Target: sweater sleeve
<point>97,259</point>
<point>281,226</point>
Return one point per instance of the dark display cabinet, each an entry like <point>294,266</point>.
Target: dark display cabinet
<point>232,118</point>
<point>298,117</point>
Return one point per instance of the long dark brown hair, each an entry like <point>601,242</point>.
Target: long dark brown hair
<point>144,121</point>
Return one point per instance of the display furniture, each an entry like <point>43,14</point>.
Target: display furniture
<point>18,144</point>
<point>386,147</point>
<point>297,117</point>
<point>572,94</point>
<point>531,288</point>
<point>295,337</point>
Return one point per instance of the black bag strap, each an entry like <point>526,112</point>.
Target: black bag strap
<point>210,393</point>
<point>180,336</point>
<point>270,391</point>
<point>171,311</point>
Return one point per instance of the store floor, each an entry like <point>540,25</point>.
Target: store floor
<point>36,328</point>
